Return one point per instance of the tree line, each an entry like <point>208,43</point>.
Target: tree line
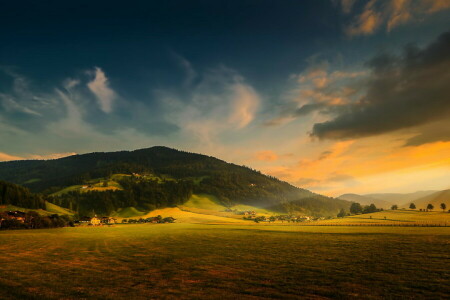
<point>33,220</point>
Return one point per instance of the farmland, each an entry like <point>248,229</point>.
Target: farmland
<point>191,261</point>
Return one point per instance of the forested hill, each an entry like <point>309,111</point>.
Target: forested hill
<point>12,194</point>
<point>195,173</point>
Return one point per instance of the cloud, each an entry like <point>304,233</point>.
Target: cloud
<point>318,89</point>
<point>99,86</point>
<point>244,105</point>
<point>266,155</point>
<point>347,5</point>
<point>220,102</point>
<point>190,73</point>
<point>366,22</point>
<point>11,105</point>
<point>403,92</point>
<point>430,133</point>
<point>8,157</point>
<point>389,14</point>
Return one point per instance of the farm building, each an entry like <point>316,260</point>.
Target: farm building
<point>108,220</point>
<point>95,221</point>
<point>18,215</point>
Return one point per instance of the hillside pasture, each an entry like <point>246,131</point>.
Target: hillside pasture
<point>196,261</point>
<point>52,209</point>
<point>183,216</point>
<point>210,205</point>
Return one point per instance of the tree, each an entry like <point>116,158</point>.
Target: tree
<point>355,208</point>
<point>430,206</point>
<point>394,207</point>
<point>412,206</point>
<point>341,214</point>
<point>443,206</point>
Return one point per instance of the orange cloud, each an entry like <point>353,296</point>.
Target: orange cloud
<point>266,156</point>
<point>357,165</point>
<point>393,13</point>
<point>8,157</point>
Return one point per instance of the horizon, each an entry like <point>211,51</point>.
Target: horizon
<point>333,96</point>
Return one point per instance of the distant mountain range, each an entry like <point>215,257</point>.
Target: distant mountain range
<point>158,177</point>
<point>385,200</point>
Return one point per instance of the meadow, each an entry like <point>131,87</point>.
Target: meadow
<point>234,261</point>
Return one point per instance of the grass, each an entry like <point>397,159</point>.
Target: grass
<point>203,201</point>
<point>209,205</point>
<point>260,211</point>
<point>128,212</point>
<point>183,216</point>
<point>395,217</point>
<point>50,207</point>
<point>192,261</point>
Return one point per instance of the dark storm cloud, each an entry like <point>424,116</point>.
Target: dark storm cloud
<point>403,92</point>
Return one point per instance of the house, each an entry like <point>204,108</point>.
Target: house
<point>18,215</point>
<point>95,221</point>
<point>108,220</point>
<point>85,220</point>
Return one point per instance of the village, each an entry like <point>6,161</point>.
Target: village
<point>32,220</point>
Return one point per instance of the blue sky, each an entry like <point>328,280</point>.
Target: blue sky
<point>296,89</point>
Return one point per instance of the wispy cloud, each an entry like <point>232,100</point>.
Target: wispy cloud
<point>101,89</point>
<point>190,73</point>
<point>389,14</point>
<point>266,155</point>
<point>317,89</point>
<point>221,101</point>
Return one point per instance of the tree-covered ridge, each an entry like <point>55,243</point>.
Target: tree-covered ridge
<point>144,195</point>
<point>12,194</point>
<point>189,173</point>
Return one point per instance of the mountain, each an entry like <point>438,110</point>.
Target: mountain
<point>435,198</point>
<point>366,200</point>
<point>158,177</point>
<point>400,199</point>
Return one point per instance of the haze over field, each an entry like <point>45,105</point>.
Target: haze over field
<point>333,96</point>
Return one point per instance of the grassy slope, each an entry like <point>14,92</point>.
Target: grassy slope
<point>96,185</point>
<point>53,208</point>
<point>209,205</point>
<point>181,261</point>
<point>50,209</point>
<point>436,199</point>
<point>183,216</point>
<point>128,212</point>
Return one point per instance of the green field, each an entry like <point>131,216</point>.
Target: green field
<point>395,217</point>
<point>191,261</point>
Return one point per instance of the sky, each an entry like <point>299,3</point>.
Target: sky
<point>335,96</point>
